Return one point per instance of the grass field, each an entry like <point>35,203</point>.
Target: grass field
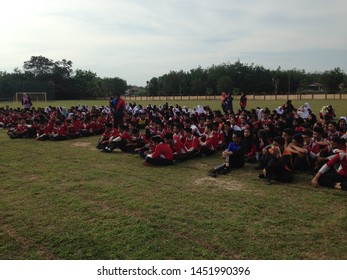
<point>340,106</point>
<point>66,200</point>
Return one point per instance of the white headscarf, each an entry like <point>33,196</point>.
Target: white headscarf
<point>279,110</point>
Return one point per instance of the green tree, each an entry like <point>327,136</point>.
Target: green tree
<point>152,86</point>
<point>332,79</point>
<point>39,66</point>
<point>83,81</point>
<point>224,84</point>
<point>114,86</point>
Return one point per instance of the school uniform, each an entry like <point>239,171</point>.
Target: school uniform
<point>162,155</point>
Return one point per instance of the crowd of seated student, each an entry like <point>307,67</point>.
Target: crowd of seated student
<point>280,142</point>
<point>54,123</point>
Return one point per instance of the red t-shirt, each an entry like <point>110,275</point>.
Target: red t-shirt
<point>163,150</point>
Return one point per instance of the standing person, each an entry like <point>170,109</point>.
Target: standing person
<point>228,104</point>
<point>117,105</point>
<point>26,102</point>
<point>243,101</point>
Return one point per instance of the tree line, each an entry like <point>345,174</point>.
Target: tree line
<point>59,81</point>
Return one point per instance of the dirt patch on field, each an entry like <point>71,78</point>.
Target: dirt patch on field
<point>32,177</point>
<point>87,145</point>
<point>81,144</point>
<point>220,182</point>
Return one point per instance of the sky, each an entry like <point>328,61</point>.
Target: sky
<point>138,40</point>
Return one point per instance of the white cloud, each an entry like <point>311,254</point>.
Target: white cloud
<point>136,40</point>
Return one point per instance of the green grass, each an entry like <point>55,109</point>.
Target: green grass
<point>66,200</point>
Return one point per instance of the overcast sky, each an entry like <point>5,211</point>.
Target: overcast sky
<point>137,40</point>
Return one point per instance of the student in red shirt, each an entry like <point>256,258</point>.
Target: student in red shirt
<point>19,131</point>
<point>192,143</point>
<point>330,177</point>
<point>59,131</point>
<point>162,154</point>
<point>139,141</point>
<point>105,138</point>
<point>176,145</point>
<point>208,143</point>
<point>120,141</point>
<point>43,131</point>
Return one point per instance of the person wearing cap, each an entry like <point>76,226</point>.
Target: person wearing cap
<point>162,154</point>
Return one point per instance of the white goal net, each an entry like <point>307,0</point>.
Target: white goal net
<point>34,96</point>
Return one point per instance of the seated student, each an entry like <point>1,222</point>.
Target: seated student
<point>71,130</point>
<point>329,176</point>
<point>178,131</point>
<point>228,132</point>
<point>332,131</point>
<point>178,148</point>
<point>264,143</point>
<point>301,159</point>
<point>105,138</point>
<point>209,141</point>
<point>121,141</point>
<point>310,146</point>
<point>279,166</point>
<point>336,143</point>
<point>139,141</point>
<point>98,124</point>
<point>143,121</point>
<point>342,125</point>
<point>251,148</point>
<point>234,156</point>
<point>334,146</point>
<point>219,135</point>
<point>192,143</point>
<point>43,131</point>
<point>59,131</point>
<point>19,131</point>
<point>329,113</point>
<point>162,154</point>
<point>287,135</point>
<point>87,127</point>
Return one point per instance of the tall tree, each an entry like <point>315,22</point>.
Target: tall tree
<point>39,66</point>
<point>332,79</point>
<point>224,84</point>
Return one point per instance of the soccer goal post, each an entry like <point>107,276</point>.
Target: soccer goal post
<point>34,96</point>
